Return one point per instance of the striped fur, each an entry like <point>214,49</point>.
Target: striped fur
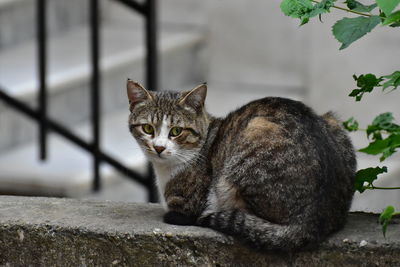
<point>272,173</point>
<point>258,233</point>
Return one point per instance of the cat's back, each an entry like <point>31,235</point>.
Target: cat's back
<point>274,130</point>
<point>275,109</point>
<point>267,118</point>
<point>282,152</point>
<point>279,126</point>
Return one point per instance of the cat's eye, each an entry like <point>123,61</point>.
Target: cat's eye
<point>148,129</point>
<point>175,131</point>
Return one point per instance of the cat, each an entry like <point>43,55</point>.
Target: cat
<point>272,173</point>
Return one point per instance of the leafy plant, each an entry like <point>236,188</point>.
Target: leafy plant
<point>386,216</point>
<point>367,82</point>
<point>383,133</point>
<point>368,175</point>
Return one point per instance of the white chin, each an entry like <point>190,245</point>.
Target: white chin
<point>156,158</point>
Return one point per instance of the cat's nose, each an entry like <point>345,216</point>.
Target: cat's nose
<point>159,149</point>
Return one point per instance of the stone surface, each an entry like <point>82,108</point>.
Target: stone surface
<point>67,232</point>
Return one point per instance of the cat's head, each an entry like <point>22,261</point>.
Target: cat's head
<point>170,127</point>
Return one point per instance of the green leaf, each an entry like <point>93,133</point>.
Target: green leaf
<point>385,218</point>
<point>321,7</point>
<point>396,24</point>
<point>367,175</point>
<point>355,92</point>
<point>387,6</point>
<point>304,21</point>
<point>304,9</point>
<point>393,145</point>
<point>296,8</point>
<point>393,18</point>
<point>393,80</point>
<point>375,131</point>
<point>385,146</point>
<point>387,152</point>
<point>351,125</point>
<point>376,147</point>
<point>348,30</point>
<point>357,6</point>
<point>384,121</point>
<point>383,124</point>
<point>366,83</point>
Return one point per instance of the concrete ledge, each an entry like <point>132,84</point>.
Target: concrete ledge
<point>67,232</point>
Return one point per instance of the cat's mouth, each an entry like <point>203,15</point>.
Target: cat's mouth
<point>157,157</point>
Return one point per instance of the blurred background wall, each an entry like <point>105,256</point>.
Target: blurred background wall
<point>243,49</point>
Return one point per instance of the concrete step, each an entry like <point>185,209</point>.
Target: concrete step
<point>67,232</point>
<point>122,56</point>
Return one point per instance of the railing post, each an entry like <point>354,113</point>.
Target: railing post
<point>151,46</point>
<point>42,71</point>
<point>95,89</point>
<point>151,75</point>
<point>148,10</point>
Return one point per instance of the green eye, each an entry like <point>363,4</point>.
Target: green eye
<point>148,129</point>
<point>175,131</point>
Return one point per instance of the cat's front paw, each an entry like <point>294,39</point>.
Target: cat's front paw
<point>175,203</point>
<point>205,220</point>
<point>177,218</point>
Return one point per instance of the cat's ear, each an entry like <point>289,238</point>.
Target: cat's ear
<point>195,98</point>
<point>137,93</point>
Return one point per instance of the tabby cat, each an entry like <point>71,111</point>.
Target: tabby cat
<point>272,173</point>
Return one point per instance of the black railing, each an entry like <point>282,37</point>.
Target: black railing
<point>148,11</point>
<point>42,70</point>
<point>95,88</point>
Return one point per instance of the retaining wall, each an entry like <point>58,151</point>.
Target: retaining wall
<point>68,232</point>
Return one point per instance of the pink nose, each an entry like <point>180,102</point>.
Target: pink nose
<point>159,149</point>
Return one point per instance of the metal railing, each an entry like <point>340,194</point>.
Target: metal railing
<point>148,11</point>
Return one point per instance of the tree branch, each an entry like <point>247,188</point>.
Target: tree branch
<point>383,188</point>
<point>347,10</point>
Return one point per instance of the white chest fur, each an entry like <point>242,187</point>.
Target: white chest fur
<point>163,174</point>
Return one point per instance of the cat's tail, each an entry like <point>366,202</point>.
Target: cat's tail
<point>257,232</point>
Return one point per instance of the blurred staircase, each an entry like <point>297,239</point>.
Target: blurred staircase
<point>67,172</point>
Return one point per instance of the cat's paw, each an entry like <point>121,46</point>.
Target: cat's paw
<point>204,220</point>
<point>177,218</point>
<point>175,203</point>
